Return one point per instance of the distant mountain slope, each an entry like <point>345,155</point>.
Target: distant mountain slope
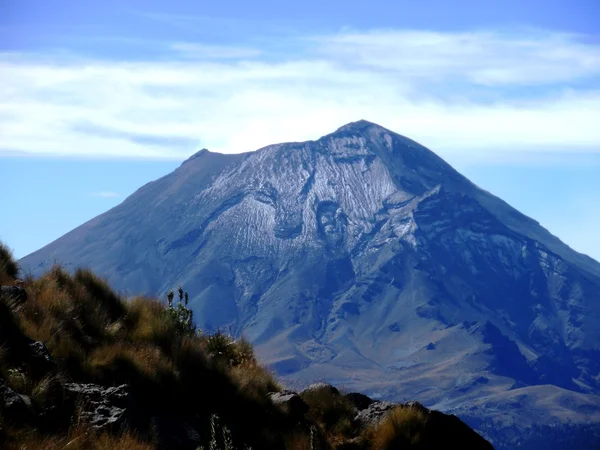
<point>364,259</point>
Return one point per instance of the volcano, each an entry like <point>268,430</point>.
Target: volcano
<point>365,260</point>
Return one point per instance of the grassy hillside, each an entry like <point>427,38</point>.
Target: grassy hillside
<point>81,368</point>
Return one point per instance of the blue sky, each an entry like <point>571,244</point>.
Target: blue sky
<point>98,98</point>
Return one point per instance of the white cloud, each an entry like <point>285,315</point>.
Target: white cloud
<point>487,58</point>
<point>458,93</point>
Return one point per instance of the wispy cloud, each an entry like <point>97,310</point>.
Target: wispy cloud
<point>105,194</point>
<point>481,94</point>
<point>203,51</point>
<point>486,58</point>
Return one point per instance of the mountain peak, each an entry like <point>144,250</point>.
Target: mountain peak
<point>198,154</point>
<point>359,125</point>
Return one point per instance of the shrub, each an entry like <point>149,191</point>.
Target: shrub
<point>18,380</point>
<point>182,316</point>
<point>223,349</point>
<point>243,353</point>
<point>220,347</point>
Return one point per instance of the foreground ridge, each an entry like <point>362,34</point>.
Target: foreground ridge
<point>81,367</point>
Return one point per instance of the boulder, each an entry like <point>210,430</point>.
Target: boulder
<point>359,401</point>
<point>373,413</point>
<point>320,387</point>
<point>290,402</point>
<point>102,407</point>
<point>416,405</point>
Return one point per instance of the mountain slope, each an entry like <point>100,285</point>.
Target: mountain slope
<point>364,259</point>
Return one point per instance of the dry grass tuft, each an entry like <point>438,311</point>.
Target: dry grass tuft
<point>97,292</point>
<point>126,441</point>
<point>78,438</point>
<point>123,361</point>
<point>49,391</point>
<point>254,380</point>
<point>402,428</point>
<point>9,269</point>
<point>299,440</point>
<point>147,320</point>
<point>332,411</point>
<point>78,308</point>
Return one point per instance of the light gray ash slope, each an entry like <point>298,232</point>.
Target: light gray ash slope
<point>364,259</point>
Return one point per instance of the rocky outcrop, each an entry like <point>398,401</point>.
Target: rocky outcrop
<point>101,407</point>
<point>439,430</point>
<point>290,402</point>
<point>18,349</point>
<point>373,414</point>
<point>15,406</point>
<point>320,388</point>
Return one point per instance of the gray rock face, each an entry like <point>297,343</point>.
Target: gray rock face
<point>40,351</point>
<point>374,413</point>
<point>365,260</point>
<point>101,406</point>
